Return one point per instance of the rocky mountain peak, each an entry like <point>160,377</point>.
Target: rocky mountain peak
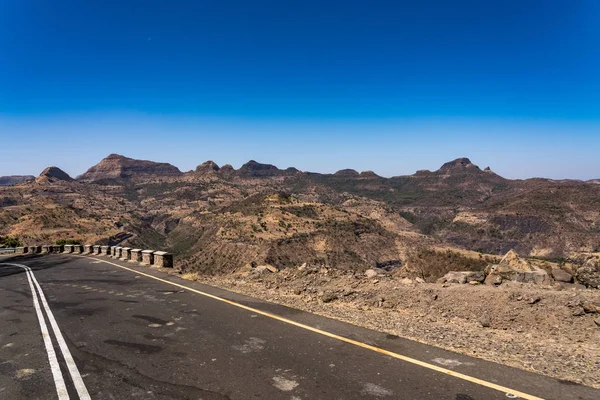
<point>53,174</point>
<point>116,166</point>
<point>460,164</point>
<point>253,168</point>
<point>208,166</point>
<point>368,174</point>
<point>347,172</point>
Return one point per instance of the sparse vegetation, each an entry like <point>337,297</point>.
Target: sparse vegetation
<point>7,241</point>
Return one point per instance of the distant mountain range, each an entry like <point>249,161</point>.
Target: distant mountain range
<point>218,218</point>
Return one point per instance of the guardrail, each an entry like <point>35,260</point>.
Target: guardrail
<point>7,250</point>
<point>139,256</point>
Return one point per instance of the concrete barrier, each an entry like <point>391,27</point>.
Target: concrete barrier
<point>125,254</point>
<point>21,250</point>
<point>88,249</point>
<point>147,257</point>
<point>96,249</point>
<point>136,256</point>
<point>104,251</point>
<point>67,248</point>
<point>77,249</point>
<point>117,254</point>
<point>163,259</point>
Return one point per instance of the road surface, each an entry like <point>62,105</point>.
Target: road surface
<point>95,328</point>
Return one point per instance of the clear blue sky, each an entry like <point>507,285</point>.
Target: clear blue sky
<point>391,86</point>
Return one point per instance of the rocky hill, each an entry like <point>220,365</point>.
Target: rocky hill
<point>219,218</point>
<point>14,179</point>
<point>53,175</point>
<point>117,167</point>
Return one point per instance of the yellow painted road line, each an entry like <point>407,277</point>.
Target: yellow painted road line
<point>340,338</point>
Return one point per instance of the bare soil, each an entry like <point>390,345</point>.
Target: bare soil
<point>544,330</point>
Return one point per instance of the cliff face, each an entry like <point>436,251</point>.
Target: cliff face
<point>119,167</point>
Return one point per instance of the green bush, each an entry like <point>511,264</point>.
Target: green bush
<point>7,241</point>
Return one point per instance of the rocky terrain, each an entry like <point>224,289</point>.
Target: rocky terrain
<point>216,219</point>
<point>536,328</point>
<point>462,258</point>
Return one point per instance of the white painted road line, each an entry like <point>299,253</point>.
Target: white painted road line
<point>59,382</point>
<point>73,370</point>
<point>509,392</point>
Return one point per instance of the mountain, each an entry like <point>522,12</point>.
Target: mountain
<point>14,179</point>
<point>258,170</point>
<point>118,167</point>
<point>208,166</point>
<point>52,175</point>
<point>216,219</point>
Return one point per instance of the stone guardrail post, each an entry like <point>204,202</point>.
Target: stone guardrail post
<point>117,254</point>
<point>88,249</point>
<point>21,250</point>
<point>136,256</point>
<point>97,249</point>
<point>67,248</point>
<point>77,249</point>
<point>147,257</point>
<point>104,250</point>
<point>58,248</point>
<point>163,259</point>
<point>46,249</point>
<point>36,249</point>
<point>125,254</point>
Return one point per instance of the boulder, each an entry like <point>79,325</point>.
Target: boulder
<point>370,273</point>
<point>536,277</point>
<point>589,276</point>
<point>493,279</point>
<point>561,275</point>
<point>484,321</point>
<point>591,308</point>
<point>328,296</point>
<point>462,277</point>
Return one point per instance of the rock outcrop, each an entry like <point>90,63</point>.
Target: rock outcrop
<point>460,164</point>
<point>256,169</point>
<point>208,166</point>
<point>463,277</point>
<point>53,174</point>
<point>347,172</point>
<point>368,174</point>
<point>119,167</point>
<point>514,268</point>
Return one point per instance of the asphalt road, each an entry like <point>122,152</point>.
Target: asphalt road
<point>134,334</point>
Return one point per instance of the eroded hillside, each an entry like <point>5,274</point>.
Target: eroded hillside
<point>218,219</point>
